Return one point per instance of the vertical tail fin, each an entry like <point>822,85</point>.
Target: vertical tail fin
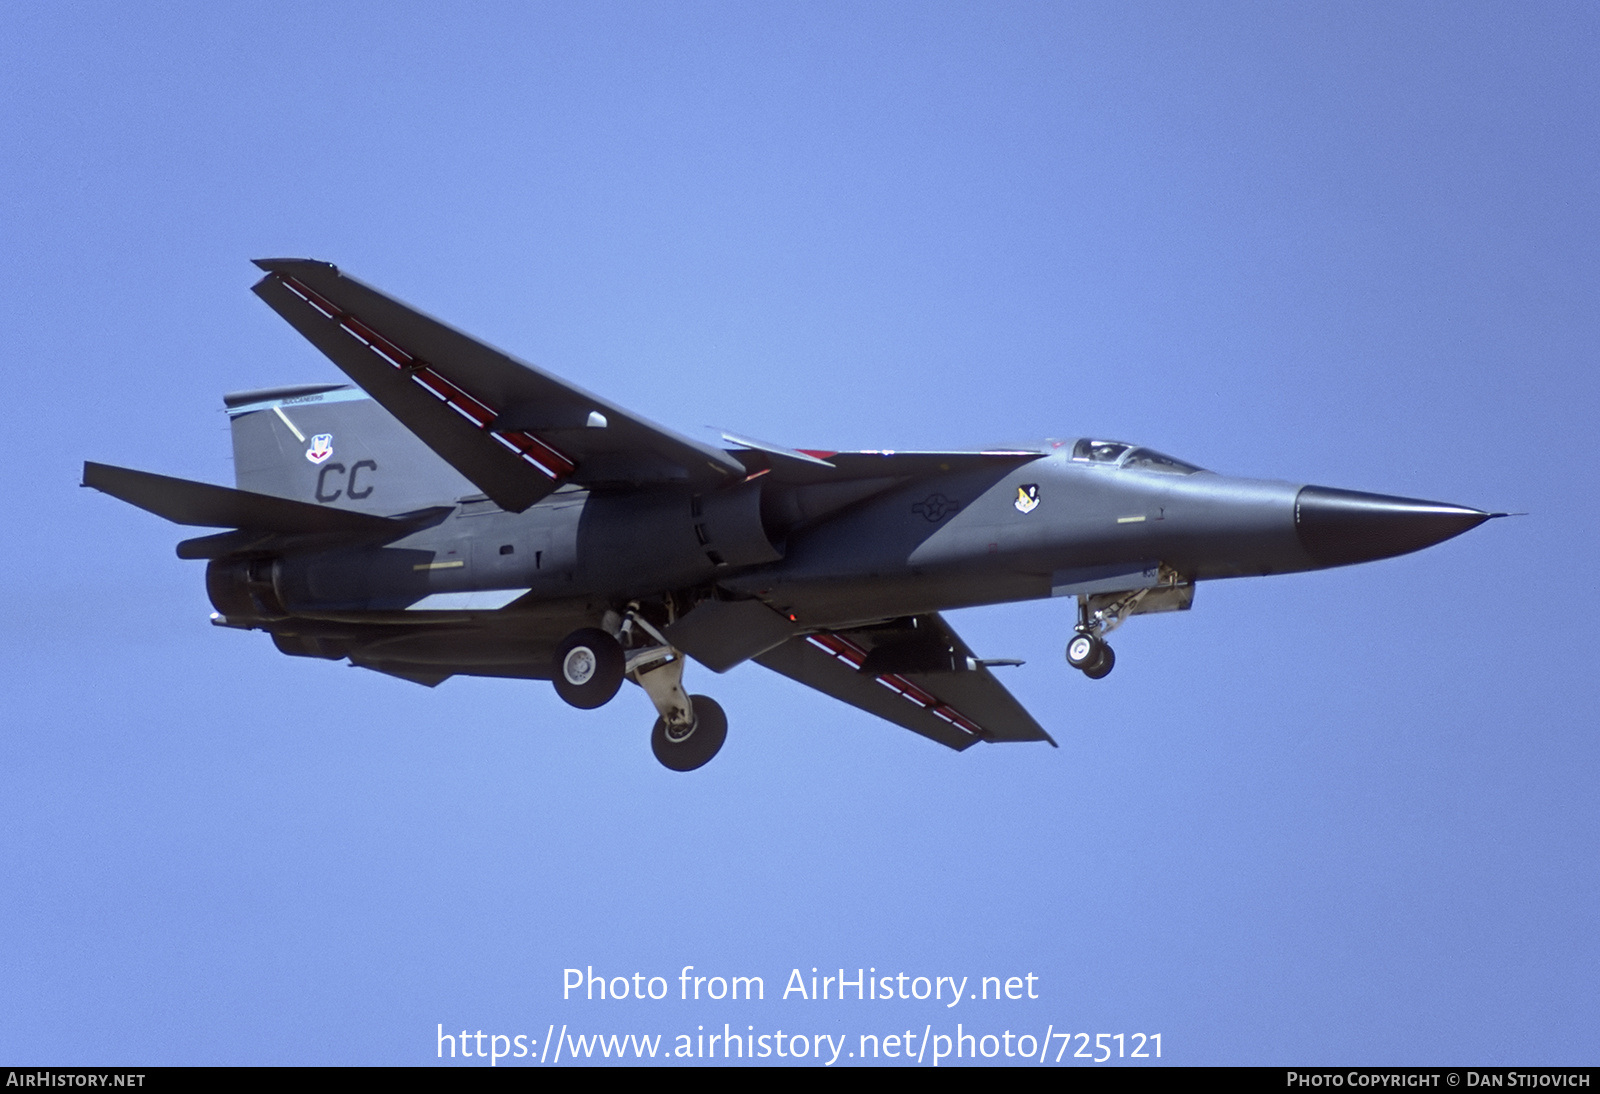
<point>330,444</point>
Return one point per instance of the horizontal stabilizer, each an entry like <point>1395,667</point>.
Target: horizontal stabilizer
<point>183,501</point>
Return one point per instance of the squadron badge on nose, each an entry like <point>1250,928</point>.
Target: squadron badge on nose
<point>1027,498</point>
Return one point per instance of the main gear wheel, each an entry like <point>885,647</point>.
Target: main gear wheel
<point>684,748</point>
<point>589,668</point>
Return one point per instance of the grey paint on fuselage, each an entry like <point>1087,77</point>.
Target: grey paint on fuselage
<point>957,540</point>
<point>888,559</point>
<point>881,557</point>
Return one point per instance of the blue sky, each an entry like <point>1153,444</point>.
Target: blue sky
<point>1344,817</point>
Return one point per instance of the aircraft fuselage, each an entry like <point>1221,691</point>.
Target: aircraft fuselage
<point>458,511</point>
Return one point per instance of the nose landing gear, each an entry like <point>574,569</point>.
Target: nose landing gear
<point>1090,654</point>
<point>1101,613</point>
<point>1102,668</point>
<point>1084,650</point>
<point>1088,651</point>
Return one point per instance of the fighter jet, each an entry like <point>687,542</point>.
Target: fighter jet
<point>456,511</point>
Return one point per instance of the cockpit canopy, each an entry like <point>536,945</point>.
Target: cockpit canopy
<point>1120,454</point>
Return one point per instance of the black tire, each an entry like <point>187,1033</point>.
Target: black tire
<point>702,743</point>
<point>1084,650</point>
<point>1102,668</point>
<point>589,668</point>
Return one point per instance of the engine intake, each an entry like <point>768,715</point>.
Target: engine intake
<point>729,528</point>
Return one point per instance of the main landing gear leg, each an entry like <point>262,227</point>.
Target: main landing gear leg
<point>690,729</point>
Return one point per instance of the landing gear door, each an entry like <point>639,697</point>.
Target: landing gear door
<point>1167,598</point>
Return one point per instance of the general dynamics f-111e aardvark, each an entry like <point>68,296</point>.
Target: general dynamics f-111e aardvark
<point>460,512</point>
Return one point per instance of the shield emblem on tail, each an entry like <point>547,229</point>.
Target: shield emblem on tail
<point>321,447</point>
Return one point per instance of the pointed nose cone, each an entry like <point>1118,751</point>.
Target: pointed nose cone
<point>1339,527</point>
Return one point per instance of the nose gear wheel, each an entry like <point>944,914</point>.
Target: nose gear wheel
<point>1085,650</point>
<point>1102,668</point>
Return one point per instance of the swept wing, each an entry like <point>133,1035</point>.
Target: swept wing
<point>914,672</point>
<point>514,431</point>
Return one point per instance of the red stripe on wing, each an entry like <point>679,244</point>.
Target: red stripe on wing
<point>548,460</point>
<point>853,655</point>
